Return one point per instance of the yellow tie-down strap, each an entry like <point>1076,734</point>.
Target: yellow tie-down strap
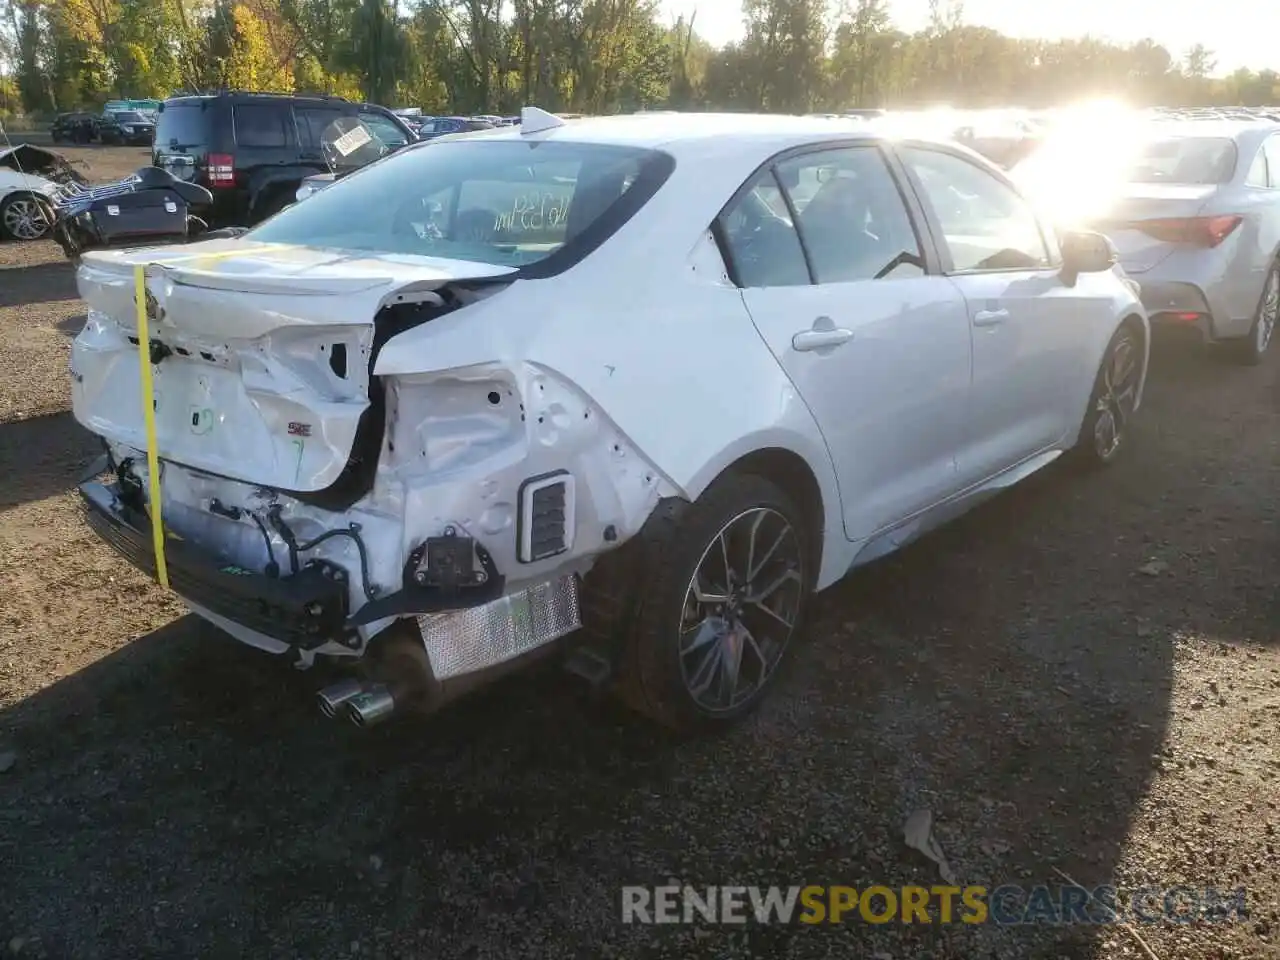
<point>156,510</point>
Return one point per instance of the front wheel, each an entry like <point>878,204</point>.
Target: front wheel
<point>722,595</point>
<point>1105,430</point>
<point>24,217</point>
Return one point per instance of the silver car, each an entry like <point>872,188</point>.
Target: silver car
<point>1196,220</point>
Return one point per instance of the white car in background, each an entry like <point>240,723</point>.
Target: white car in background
<point>1193,208</point>
<point>25,199</point>
<point>660,377</point>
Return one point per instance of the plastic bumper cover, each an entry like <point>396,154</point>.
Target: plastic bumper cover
<point>304,610</point>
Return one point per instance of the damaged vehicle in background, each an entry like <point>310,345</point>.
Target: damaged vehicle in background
<point>454,413</point>
<point>30,181</point>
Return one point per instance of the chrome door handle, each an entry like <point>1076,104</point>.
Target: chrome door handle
<point>824,335</point>
<point>990,318</point>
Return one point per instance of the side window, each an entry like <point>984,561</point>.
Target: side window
<point>985,224</point>
<point>262,125</point>
<point>851,216</point>
<point>382,128</point>
<point>312,122</point>
<point>1272,150</point>
<point>761,239</point>
<point>1258,170</point>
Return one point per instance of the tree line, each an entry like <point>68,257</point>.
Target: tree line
<point>585,56</point>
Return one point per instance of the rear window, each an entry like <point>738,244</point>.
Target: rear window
<point>493,201</point>
<point>1189,160</point>
<point>182,127</point>
<point>262,124</point>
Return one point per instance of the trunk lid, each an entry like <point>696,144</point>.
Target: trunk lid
<point>261,353</point>
<point>1139,251</point>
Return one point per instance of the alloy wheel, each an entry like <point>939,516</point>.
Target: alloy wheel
<point>25,219</point>
<point>740,609</point>
<point>1269,312</point>
<point>1116,398</point>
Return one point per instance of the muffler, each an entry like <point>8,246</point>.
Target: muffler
<point>371,705</point>
<point>332,697</point>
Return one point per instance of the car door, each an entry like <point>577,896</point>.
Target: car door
<point>1029,327</point>
<point>834,276</point>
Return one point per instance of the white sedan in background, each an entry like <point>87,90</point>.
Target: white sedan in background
<point>660,377</point>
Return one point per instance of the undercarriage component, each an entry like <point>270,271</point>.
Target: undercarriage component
<point>436,578</point>
<point>396,676</point>
<point>464,641</point>
<point>421,664</point>
<point>333,697</point>
<point>305,610</point>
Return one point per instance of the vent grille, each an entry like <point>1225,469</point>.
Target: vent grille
<point>546,516</point>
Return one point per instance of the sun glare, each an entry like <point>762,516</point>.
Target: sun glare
<point>1075,174</point>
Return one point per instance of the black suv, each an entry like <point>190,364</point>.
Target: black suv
<point>126,127</point>
<point>75,127</point>
<point>253,149</point>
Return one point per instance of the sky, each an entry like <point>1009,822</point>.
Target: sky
<point>1241,33</point>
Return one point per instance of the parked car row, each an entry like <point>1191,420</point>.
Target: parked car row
<point>119,127</point>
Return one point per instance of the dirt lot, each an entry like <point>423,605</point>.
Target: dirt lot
<point>1082,676</point>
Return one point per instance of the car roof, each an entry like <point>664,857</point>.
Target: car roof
<point>195,99</point>
<point>683,131</point>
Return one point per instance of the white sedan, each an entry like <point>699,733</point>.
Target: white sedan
<point>630,389</point>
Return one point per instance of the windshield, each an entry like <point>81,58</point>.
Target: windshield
<point>130,117</point>
<point>506,202</point>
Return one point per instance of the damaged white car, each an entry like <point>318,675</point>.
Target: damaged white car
<point>30,180</point>
<point>626,389</point>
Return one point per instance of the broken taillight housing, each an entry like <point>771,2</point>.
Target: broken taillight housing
<point>222,170</point>
<point>1197,231</point>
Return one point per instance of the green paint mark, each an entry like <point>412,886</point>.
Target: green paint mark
<point>201,420</point>
<point>297,470</point>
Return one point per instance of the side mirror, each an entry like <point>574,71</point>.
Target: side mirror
<point>1086,252</point>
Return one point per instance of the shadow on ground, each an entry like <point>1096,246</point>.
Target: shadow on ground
<point>43,457</point>
<point>37,283</point>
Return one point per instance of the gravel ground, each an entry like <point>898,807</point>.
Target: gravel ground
<point>1081,676</point>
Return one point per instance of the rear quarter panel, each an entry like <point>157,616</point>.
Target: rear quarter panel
<point>650,329</point>
<point>1253,251</point>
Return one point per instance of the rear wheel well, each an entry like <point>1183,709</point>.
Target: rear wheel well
<point>1135,321</point>
<point>609,597</point>
<point>792,474</point>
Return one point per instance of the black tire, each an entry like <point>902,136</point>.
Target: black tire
<point>10,208</point>
<point>674,541</point>
<point>1091,449</point>
<point>1249,351</point>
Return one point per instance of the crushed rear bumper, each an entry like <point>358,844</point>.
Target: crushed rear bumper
<point>303,610</point>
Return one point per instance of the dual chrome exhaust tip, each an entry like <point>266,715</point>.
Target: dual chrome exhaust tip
<point>364,704</point>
